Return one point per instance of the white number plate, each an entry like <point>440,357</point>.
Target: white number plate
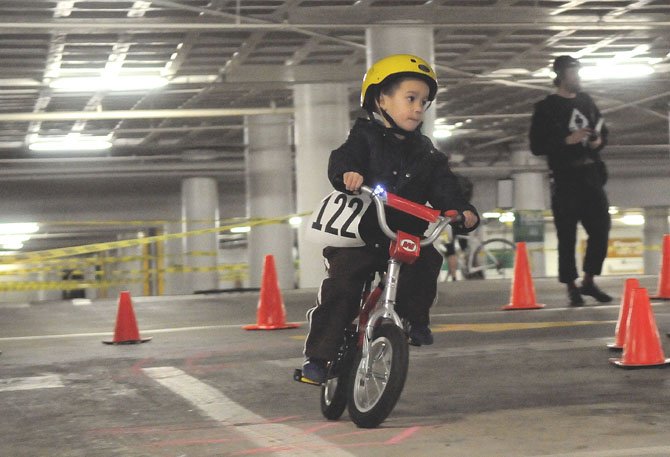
<point>336,219</point>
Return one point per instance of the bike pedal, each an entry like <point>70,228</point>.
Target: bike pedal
<point>297,376</point>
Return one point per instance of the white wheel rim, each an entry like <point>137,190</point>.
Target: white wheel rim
<point>329,390</point>
<point>369,386</point>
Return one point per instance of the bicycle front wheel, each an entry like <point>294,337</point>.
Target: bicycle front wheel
<point>493,258</point>
<point>375,389</point>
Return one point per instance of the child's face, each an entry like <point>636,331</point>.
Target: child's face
<point>407,104</point>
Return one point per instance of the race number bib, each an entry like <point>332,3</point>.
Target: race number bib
<point>335,221</point>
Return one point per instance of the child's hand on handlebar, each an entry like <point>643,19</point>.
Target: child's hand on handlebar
<point>471,219</point>
<point>352,181</point>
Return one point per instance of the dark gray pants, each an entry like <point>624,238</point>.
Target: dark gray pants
<point>340,293</point>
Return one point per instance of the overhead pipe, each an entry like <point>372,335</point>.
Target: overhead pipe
<point>75,25</point>
<point>139,114</point>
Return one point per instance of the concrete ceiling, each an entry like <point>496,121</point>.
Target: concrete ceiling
<point>228,58</point>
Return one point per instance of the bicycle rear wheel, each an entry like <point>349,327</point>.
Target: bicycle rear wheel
<point>375,390</point>
<point>335,391</point>
<point>334,397</point>
<point>493,258</point>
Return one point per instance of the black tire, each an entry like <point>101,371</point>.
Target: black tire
<point>334,392</point>
<point>392,351</point>
<point>502,249</point>
<point>334,397</point>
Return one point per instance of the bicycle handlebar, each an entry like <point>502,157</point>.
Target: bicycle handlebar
<point>380,198</point>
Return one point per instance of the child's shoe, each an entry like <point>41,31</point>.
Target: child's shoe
<point>315,370</point>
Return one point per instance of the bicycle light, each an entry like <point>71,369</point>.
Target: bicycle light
<point>380,191</point>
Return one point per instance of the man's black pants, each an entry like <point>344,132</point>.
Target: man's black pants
<point>340,293</point>
<point>573,202</point>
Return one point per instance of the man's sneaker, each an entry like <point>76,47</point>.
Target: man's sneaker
<point>575,297</point>
<point>315,370</point>
<point>593,291</point>
<point>420,335</point>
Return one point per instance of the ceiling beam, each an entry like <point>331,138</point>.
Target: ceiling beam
<point>140,114</point>
<point>143,26</point>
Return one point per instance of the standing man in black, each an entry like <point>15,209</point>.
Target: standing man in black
<point>568,128</point>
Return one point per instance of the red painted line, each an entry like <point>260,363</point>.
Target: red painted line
<point>360,432</point>
<point>281,419</point>
<point>137,366</point>
<point>402,436</point>
<point>320,427</point>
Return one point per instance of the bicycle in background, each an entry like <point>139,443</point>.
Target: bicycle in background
<point>477,259</point>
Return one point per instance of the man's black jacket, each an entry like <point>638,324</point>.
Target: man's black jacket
<point>411,168</point>
<point>555,118</point>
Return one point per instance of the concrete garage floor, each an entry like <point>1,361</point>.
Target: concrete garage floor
<point>527,383</point>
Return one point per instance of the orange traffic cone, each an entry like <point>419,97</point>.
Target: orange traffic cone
<point>523,290</point>
<point>664,277</point>
<point>624,312</point>
<point>642,347</point>
<point>126,331</point>
<point>271,312</point>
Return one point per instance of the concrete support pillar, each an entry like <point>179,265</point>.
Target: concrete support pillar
<point>200,210</point>
<point>321,125</point>
<point>387,40</point>
<point>655,227</point>
<point>175,281</point>
<point>270,194</point>
<point>529,205</point>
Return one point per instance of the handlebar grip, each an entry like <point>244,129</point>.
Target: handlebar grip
<point>409,207</point>
<point>455,216</point>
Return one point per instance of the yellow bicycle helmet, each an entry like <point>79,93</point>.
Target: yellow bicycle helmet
<point>397,65</point>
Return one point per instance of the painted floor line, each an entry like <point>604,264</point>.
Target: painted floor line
<point>498,327</point>
<point>493,327</point>
<point>640,451</point>
<point>31,383</point>
<point>543,310</point>
<point>148,331</point>
<point>280,439</point>
<point>440,351</point>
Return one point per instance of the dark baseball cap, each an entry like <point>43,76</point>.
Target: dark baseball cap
<point>562,63</point>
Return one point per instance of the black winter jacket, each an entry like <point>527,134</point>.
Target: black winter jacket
<point>411,168</point>
<point>555,118</point>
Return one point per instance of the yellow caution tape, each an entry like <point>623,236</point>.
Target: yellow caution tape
<point>148,223</point>
<point>120,278</point>
<point>35,256</point>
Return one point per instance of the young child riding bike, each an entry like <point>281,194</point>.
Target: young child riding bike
<point>386,149</point>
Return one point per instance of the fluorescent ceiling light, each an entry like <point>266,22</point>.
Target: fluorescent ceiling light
<point>507,217</point>
<point>295,221</point>
<point>244,229</point>
<point>19,228</point>
<point>442,133</point>
<point>71,144</point>
<point>633,219</point>
<point>111,83</point>
<point>507,72</point>
<point>491,215</point>
<point>13,241</point>
<point>615,71</point>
